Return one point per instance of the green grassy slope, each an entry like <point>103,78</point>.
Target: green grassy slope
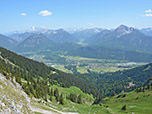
<point>136,103</point>
<point>70,107</point>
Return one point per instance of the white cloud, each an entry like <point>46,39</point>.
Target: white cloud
<point>45,13</point>
<point>148,11</point>
<point>23,14</point>
<point>90,24</point>
<point>148,15</point>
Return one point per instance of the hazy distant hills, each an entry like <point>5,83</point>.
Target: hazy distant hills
<point>33,43</point>
<point>58,36</point>
<point>7,42</point>
<point>20,36</point>
<point>99,38</point>
<point>38,41</point>
<point>86,33</point>
<point>147,31</point>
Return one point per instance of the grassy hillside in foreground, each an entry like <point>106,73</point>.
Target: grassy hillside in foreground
<point>14,100</point>
<point>71,107</point>
<point>136,103</point>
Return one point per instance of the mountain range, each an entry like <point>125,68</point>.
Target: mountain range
<point>126,39</point>
<point>123,37</point>
<point>95,36</point>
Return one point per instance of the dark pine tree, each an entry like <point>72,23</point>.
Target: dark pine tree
<point>124,108</point>
<point>61,101</point>
<point>79,99</point>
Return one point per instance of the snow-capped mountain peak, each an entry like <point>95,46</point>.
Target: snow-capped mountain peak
<point>122,30</point>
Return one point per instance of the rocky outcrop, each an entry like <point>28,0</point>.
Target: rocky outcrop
<point>13,100</point>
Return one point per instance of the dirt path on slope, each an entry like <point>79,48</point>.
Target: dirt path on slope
<point>51,111</point>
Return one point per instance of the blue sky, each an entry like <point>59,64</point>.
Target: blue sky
<point>54,14</point>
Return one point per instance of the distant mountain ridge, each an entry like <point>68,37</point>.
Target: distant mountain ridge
<point>20,36</point>
<point>7,42</point>
<point>86,33</point>
<point>147,31</point>
<point>123,37</point>
<point>33,43</point>
<point>60,36</point>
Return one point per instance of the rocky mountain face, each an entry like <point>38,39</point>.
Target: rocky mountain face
<point>122,30</point>
<point>13,100</point>
<point>107,35</point>
<point>60,36</point>
<point>123,37</point>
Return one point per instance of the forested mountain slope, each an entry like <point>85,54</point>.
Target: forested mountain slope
<point>126,80</point>
<point>42,76</point>
<point>33,72</point>
<point>102,52</point>
<point>33,43</point>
